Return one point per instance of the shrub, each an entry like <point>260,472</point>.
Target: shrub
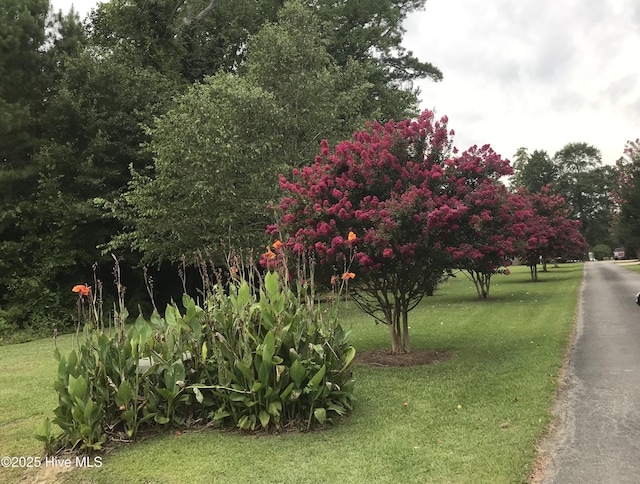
<point>602,252</point>
<point>256,356</point>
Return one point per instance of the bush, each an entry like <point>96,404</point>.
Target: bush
<point>602,252</point>
<point>260,358</point>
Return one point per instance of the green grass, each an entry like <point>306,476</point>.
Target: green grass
<point>473,419</point>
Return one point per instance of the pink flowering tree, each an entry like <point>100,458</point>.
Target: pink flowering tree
<point>482,245</point>
<point>548,231</point>
<point>377,208</point>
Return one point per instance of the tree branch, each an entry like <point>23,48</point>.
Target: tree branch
<point>188,20</point>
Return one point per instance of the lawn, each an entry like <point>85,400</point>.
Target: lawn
<point>475,418</point>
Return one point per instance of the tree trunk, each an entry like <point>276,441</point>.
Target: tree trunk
<point>395,341</point>
<point>406,346</point>
<point>482,283</point>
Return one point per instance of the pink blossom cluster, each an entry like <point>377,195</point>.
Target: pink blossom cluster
<point>410,200</point>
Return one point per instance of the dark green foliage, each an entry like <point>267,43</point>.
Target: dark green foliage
<point>251,359</point>
<point>213,171</point>
<point>602,252</point>
<point>533,171</point>
<point>79,104</point>
<point>586,185</point>
<point>627,194</point>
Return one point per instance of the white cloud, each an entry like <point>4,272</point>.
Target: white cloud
<point>83,7</point>
<point>533,73</point>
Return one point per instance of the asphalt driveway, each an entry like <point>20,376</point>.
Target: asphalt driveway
<point>598,434</point>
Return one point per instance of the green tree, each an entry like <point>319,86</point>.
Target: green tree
<point>22,86</point>
<point>32,47</point>
<point>371,32</point>
<point>533,171</point>
<point>212,175</point>
<point>627,196</point>
<point>94,124</point>
<point>318,99</point>
<point>586,186</point>
<point>186,38</point>
<point>195,38</point>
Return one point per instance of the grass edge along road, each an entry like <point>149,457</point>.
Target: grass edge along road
<point>475,418</point>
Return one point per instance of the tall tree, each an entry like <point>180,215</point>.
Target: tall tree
<point>586,185</point>
<point>22,86</point>
<point>627,197</point>
<point>318,98</point>
<point>94,135</point>
<point>371,32</point>
<point>237,133</point>
<point>212,177</point>
<point>533,171</point>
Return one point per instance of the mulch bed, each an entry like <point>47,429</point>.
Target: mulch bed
<point>383,358</point>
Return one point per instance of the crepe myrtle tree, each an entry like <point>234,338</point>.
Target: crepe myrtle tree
<point>483,244</point>
<point>374,207</point>
<point>547,230</point>
<point>380,207</point>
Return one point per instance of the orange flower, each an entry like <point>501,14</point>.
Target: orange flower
<point>277,244</point>
<point>333,280</point>
<point>351,237</point>
<point>348,275</point>
<point>270,253</point>
<point>81,289</point>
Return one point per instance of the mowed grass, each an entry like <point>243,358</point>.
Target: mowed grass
<point>475,418</point>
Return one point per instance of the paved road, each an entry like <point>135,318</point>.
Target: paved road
<point>598,439</point>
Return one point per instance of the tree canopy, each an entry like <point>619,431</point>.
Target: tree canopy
<point>84,108</point>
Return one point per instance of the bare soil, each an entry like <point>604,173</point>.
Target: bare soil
<point>384,358</point>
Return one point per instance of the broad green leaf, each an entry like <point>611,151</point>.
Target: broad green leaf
<point>77,387</point>
<point>275,407</point>
<point>297,372</point>
<point>256,386</point>
<point>285,393</point>
<point>317,378</point>
<point>245,370</point>
<point>203,352</point>
<point>264,418</point>
<point>125,393</point>
<point>161,419</point>
<point>156,321</point>
<point>348,358</point>
<point>170,317</point>
<point>244,295</point>
<point>319,349</point>
<point>321,415</point>
<point>268,348</point>
<point>271,284</point>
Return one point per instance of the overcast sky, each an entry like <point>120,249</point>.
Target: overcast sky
<point>532,73</point>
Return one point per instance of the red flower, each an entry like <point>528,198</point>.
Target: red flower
<point>81,289</point>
